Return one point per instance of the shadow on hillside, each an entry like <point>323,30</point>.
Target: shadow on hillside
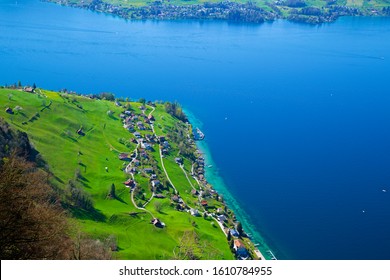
<point>58,179</point>
<point>120,200</point>
<point>82,214</point>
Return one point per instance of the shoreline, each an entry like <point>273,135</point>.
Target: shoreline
<point>217,183</point>
<point>229,11</point>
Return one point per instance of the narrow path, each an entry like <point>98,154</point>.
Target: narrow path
<point>161,156</point>
<point>166,173</point>
<point>139,208</point>
<point>188,179</point>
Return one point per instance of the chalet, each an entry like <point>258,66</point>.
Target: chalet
<point>146,146</point>
<point>164,151</point>
<point>141,108</point>
<point>149,137</point>
<point>141,126</point>
<point>194,212</point>
<point>137,134</point>
<point>124,156</point>
<point>130,183</point>
<point>28,89</point>
<point>129,127</point>
<point>151,118</point>
<point>204,203</point>
<point>222,218</point>
<point>166,144</point>
<point>153,177</point>
<point>155,183</point>
<point>161,139</point>
<point>242,253</point>
<point>234,233</point>
<point>238,244</point>
<point>148,170</point>
<point>159,195</point>
<point>80,132</point>
<point>157,223</point>
<point>136,162</point>
<point>117,103</point>
<point>194,192</point>
<point>179,160</point>
<point>122,116</point>
<point>175,198</point>
<point>127,113</point>
<point>9,110</point>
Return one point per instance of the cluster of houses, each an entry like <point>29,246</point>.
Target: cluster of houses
<point>135,123</point>
<point>131,121</point>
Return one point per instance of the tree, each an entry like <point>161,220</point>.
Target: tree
<point>142,101</point>
<point>111,193</point>
<point>158,206</point>
<point>32,223</point>
<point>239,228</point>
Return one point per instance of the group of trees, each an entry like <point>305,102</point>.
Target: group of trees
<point>33,222</point>
<point>174,109</point>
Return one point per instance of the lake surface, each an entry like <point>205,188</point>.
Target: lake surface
<point>296,117</point>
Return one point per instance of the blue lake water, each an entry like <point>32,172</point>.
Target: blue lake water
<point>296,117</point>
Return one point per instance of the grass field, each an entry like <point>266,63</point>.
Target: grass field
<point>52,119</point>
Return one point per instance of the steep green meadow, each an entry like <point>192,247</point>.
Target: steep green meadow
<point>51,121</point>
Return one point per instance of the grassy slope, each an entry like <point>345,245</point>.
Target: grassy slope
<point>53,133</point>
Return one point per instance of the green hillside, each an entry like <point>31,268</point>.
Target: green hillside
<point>81,138</point>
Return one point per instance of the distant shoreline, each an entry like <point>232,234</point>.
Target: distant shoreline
<point>292,10</point>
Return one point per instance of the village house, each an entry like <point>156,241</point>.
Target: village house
<point>194,212</point>
<point>80,132</point>
<point>159,195</point>
<point>148,170</point>
<point>194,192</point>
<point>221,218</point>
<point>175,198</point>
<point>234,233</point>
<point>179,160</point>
<point>130,183</point>
<point>241,252</point>
<point>155,183</point>
<point>137,134</point>
<point>145,145</point>
<point>153,177</point>
<point>204,203</point>
<point>166,144</point>
<point>9,110</point>
<point>28,89</point>
<point>157,223</point>
<point>124,156</point>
